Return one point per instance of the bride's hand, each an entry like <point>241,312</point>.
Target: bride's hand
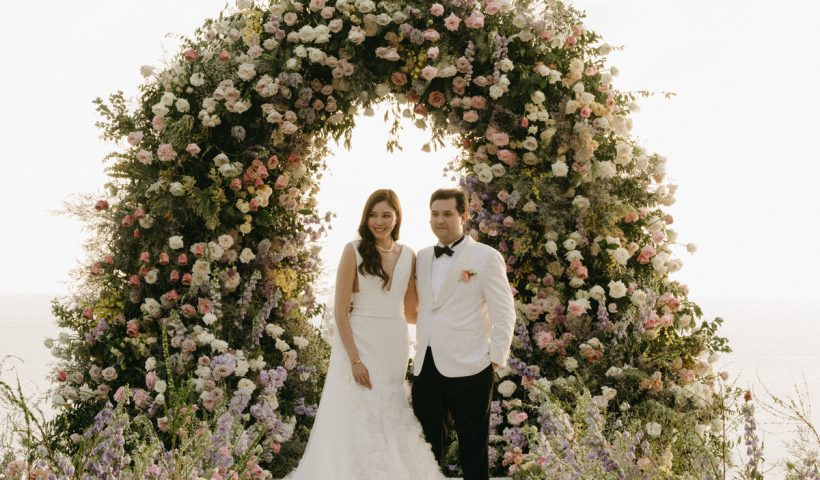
<point>360,374</point>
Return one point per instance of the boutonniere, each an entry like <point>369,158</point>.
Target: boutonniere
<point>468,275</point>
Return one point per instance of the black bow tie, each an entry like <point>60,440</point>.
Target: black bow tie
<point>446,250</point>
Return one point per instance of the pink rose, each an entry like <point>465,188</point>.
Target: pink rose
<point>108,260</point>
<point>193,148</point>
<point>166,152</point>
<point>508,157</point>
<point>132,329</point>
<point>198,249</point>
<point>150,380</point>
<point>158,123</point>
<point>134,281</point>
<point>571,41</point>
<point>452,22</point>
<point>204,306</point>
<point>141,398</point>
<point>171,296</point>
<point>88,312</point>
<point>491,8</point>
<point>525,122</point>
<point>478,102</point>
<point>437,10</point>
<point>95,269</point>
<point>429,72</point>
<point>164,259</point>
<point>145,157</point>
<point>470,116</point>
<point>135,138</point>
<point>186,279</point>
<point>398,79</point>
<point>281,182</point>
<point>481,81</point>
<point>431,35</point>
<point>500,139</point>
<point>139,212</point>
<point>182,259</point>
<point>188,310</point>
<point>119,395</point>
<point>62,376</point>
<point>190,54</point>
<point>509,222</point>
<point>436,99</point>
<point>235,185</point>
<point>585,112</point>
<point>145,257</point>
<point>420,109</point>
<point>576,308</point>
<point>173,277</point>
<point>101,205</point>
<point>651,322</point>
<point>646,254</point>
<point>432,53</point>
<point>475,20</point>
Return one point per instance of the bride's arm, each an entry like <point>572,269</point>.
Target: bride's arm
<point>411,298</point>
<point>345,278</point>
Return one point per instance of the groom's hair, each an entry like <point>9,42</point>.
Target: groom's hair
<point>447,193</point>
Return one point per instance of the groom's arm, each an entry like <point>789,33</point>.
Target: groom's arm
<point>500,307</point>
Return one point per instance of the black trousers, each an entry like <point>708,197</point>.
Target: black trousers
<point>468,401</point>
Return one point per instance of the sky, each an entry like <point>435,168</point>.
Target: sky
<point>739,133</point>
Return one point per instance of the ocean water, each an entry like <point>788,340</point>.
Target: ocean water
<point>774,347</point>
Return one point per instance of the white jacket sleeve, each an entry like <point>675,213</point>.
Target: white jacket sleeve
<point>500,307</point>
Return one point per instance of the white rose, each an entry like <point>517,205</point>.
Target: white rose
<point>151,276</point>
<point>638,297</point>
<point>219,345</point>
<point>160,386</point>
<point>506,65</point>
<point>175,242</point>
<point>209,318</point>
<point>315,55</point>
<point>653,429</point>
<point>151,307</point>
<point>300,342</point>
<point>274,330</point>
<point>496,91</point>
<point>146,71</point>
<point>176,189</point>
<point>606,169</point>
<point>530,207</point>
<point>617,289</point>
<point>507,388</point>
<point>485,175</point>
<point>538,97</point>
<point>282,345</point>
<point>160,110</point>
<point>356,36</point>
<point>109,374</point>
<point>246,255</point>
<point>570,363</point>
<point>560,169</point>
<point>307,34</point>
<point>580,202</point>
<point>597,293</point>
<point>182,105</point>
<point>246,71</point>
<point>498,170</point>
<point>530,143</point>
<point>245,386</point>
<point>570,244</point>
<point>150,364</point>
<point>621,255</point>
<point>551,247</point>
<point>225,241</point>
<point>615,372</point>
<point>197,79</point>
<point>215,250</point>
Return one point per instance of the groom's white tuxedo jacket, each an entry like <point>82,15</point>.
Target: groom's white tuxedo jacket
<point>468,323</point>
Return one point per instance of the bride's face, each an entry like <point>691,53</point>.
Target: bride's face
<point>381,220</point>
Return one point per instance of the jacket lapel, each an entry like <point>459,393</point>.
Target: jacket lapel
<point>461,261</point>
<point>423,283</point>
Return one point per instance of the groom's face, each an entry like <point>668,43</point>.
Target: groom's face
<point>446,221</point>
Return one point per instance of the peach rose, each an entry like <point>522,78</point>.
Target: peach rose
<point>436,99</point>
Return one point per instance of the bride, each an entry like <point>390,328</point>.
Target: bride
<point>365,428</point>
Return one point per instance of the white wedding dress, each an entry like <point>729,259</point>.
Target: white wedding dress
<point>362,434</point>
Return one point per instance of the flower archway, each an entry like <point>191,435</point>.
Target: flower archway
<point>200,289</point>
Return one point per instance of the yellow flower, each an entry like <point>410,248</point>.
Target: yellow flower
<point>285,279</point>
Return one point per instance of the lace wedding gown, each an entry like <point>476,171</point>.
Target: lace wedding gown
<point>362,434</point>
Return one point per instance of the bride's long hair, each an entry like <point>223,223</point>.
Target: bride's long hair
<point>371,260</point>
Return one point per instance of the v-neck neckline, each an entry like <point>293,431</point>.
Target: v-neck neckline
<point>389,287</point>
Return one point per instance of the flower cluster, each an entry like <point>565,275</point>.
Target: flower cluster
<point>200,288</point>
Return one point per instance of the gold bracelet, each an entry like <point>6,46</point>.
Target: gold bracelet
<point>355,362</point>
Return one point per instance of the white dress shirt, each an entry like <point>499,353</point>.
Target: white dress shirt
<point>441,267</point>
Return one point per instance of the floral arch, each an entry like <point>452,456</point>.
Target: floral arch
<point>196,299</point>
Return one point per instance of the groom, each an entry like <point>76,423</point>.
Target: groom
<point>464,329</point>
